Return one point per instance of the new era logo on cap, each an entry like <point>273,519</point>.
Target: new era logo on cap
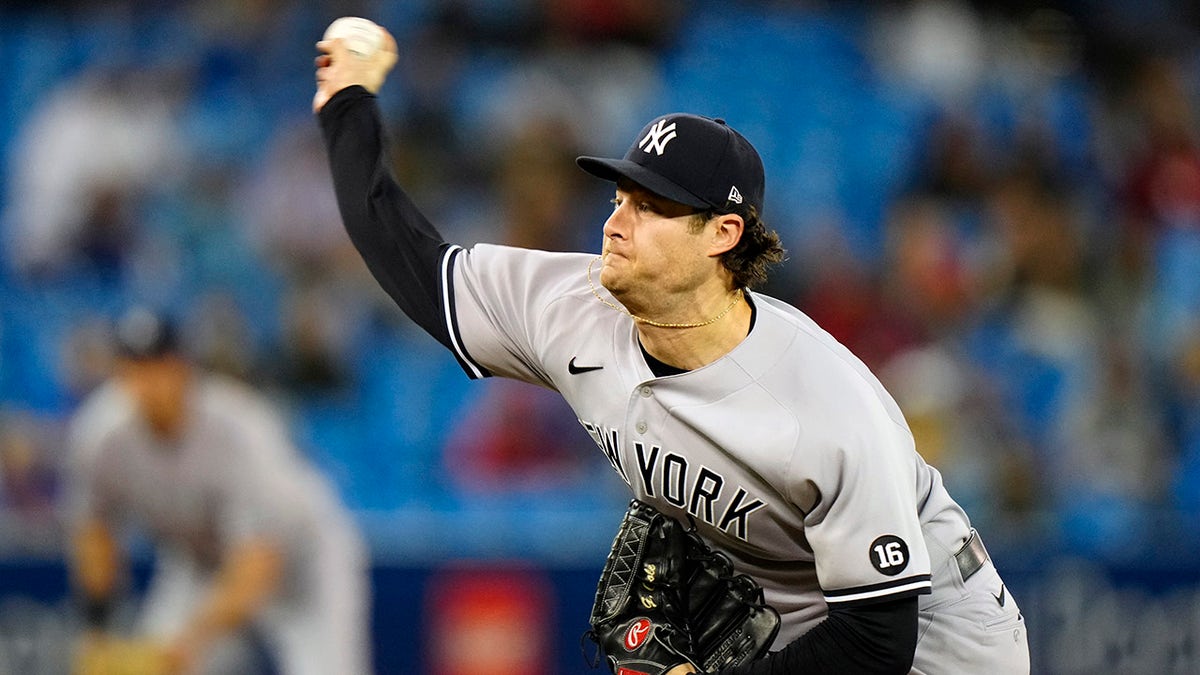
<point>697,161</point>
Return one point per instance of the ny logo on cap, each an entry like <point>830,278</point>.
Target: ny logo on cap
<point>660,134</point>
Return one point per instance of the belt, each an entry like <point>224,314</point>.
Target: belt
<point>971,556</point>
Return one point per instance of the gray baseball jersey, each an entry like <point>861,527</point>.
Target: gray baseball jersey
<point>231,475</point>
<point>787,452</point>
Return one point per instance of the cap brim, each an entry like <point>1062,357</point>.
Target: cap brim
<point>612,169</point>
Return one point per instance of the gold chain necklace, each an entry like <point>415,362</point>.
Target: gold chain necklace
<point>736,296</point>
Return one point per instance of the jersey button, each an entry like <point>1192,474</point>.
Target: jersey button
<point>646,392</point>
<point>641,427</point>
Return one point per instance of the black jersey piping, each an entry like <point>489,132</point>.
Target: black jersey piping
<point>469,365</point>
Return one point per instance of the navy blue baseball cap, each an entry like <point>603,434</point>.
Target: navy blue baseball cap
<point>697,161</point>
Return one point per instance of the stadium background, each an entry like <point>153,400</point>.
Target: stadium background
<point>999,210</point>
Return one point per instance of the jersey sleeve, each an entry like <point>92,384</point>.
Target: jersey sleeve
<point>86,470</point>
<point>497,312</point>
<point>864,529</point>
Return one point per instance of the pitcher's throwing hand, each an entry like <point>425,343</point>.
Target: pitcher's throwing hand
<point>338,67</point>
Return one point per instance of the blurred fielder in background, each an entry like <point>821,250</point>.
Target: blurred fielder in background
<point>248,537</point>
<point>726,409</point>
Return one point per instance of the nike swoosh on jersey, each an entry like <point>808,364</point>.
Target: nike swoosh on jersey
<point>1000,598</point>
<point>575,370</point>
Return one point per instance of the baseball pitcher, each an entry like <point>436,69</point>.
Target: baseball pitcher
<point>735,420</point>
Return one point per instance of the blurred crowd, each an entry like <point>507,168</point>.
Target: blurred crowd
<point>998,210</point>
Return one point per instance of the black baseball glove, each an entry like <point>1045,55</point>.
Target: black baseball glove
<point>665,599</point>
<point>728,620</point>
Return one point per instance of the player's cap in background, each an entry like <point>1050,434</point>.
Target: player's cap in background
<point>142,333</point>
<point>701,162</point>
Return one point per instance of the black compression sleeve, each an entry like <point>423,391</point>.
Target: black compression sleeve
<point>876,638</point>
<point>400,246</point>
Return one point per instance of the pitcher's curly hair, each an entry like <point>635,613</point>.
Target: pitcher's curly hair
<point>757,250</point>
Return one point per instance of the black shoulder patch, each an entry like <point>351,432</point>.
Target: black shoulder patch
<point>889,555</point>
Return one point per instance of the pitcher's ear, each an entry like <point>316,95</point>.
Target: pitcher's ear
<point>727,232</point>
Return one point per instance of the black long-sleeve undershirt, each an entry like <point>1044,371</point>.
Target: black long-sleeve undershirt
<point>401,248</point>
<point>403,251</point>
<point>879,638</point>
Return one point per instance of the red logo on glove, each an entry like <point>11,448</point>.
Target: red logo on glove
<point>626,671</point>
<point>638,632</point>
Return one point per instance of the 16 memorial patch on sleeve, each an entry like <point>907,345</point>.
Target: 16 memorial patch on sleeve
<point>889,555</point>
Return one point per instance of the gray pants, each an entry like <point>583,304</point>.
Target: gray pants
<point>970,627</point>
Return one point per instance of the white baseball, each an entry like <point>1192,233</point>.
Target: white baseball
<point>362,37</point>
